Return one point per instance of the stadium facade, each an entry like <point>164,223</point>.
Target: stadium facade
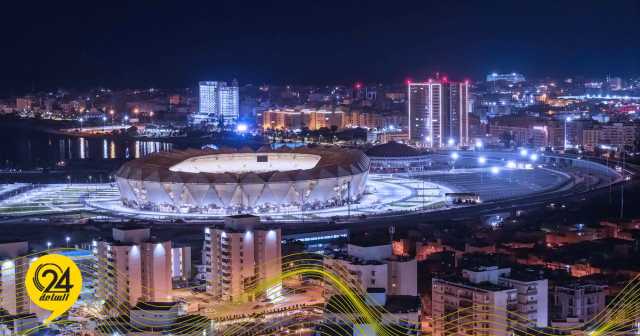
<point>230,181</point>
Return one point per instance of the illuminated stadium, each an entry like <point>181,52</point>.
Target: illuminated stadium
<point>231,181</point>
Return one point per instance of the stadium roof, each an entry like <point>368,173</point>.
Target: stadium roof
<point>333,162</point>
<point>393,149</point>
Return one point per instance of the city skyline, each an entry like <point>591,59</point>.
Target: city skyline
<point>139,45</point>
<point>306,168</point>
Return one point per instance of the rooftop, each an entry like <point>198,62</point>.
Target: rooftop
<point>155,305</point>
<point>395,304</point>
<point>230,165</point>
<point>487,286</point>
<point>393,149</point>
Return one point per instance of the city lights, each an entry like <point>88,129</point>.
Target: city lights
<point>524,152</point>
<point>263,174</point>
<point>241,128</point>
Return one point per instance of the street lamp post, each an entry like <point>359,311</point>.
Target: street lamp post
<point>454,157</point>
<point>104,124</point>
<point>67,239</point>
<point>481,161</point>
<point>48,245</point>
<point>81,121</point>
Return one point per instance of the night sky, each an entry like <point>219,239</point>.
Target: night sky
<point>140,43</point>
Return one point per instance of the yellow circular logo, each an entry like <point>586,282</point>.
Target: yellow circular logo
<point>53,283</point>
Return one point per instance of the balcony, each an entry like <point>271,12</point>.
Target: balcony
<point>466,295</point>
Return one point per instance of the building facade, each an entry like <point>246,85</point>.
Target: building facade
<point>618,136</point>
<point>509,77</point>
<point>438,113</point>
<point>13,295</point>
<point>241,257</point>
<point>488,301</point>
<point>218,102</point>
<point>181,263</point>
<point>133,267</point>
<point>461,307</point>
<point>577,303</point>
<point>376,267</point>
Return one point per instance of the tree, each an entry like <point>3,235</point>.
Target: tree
<point>334,129</point>
<point>506,138</point>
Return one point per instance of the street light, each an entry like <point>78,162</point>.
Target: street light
<point>428,140</point>
<point>454,157</point>
<point>479,144</point>
<point>48,245</point>
<point>534,157</point>
<point>81,120</point>
<point>495,170</point>
<point>451,142</point>
<point>104,123</point>
<point>524,152</point>
<point>67,239</point>
<point>241,128</point>
<point>481,161</point>
<point>112,112</point>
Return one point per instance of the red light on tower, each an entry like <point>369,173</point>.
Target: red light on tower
<point>466,81</point>
<point>407,81</point>
<point>358,85</point>
<point>444,79</point>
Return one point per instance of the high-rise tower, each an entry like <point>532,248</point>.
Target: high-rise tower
<point>438,113</point>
